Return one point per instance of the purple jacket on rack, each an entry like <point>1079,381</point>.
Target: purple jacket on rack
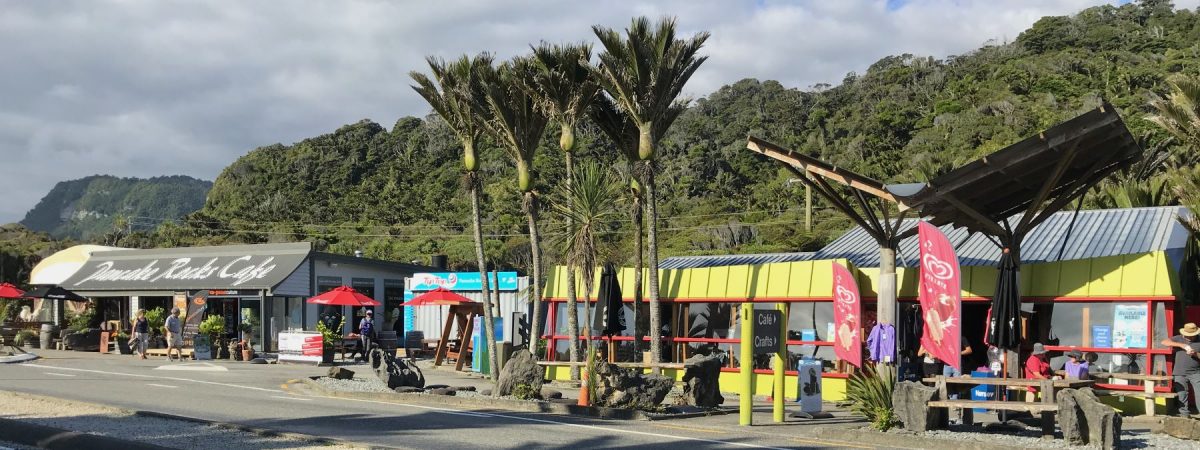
<point>881,344</point>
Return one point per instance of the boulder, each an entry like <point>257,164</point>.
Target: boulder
<point>521,368</point>
<point>409,390</point>
<point>1181,427</point>
<point>910,400</point>
<point>702,381</point>
<point>1083,419</point>
<point>550,394</point>
<point>623,388</point>
<point>437,386</point>
<point>395,372</point>
<point>341,373</point>
<point>487,392</point>
<point>465,388</point>
<point>442,391</point>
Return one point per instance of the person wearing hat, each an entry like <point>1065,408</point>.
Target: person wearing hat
<point>366,331</point>
<point>1187,367</point>
<point>1037,367</point>
<point>1076,367</point>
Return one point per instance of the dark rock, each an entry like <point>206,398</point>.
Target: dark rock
<point>341,373</point>
<point>258,361</point>
<point>1181,427</point>
<point>437,386</point>
<point>442,391</point>
<point>408,390</point>
<point>910,401</point>
<point>465,388</point>
<point>395,372</point>
<point>550,394</point>
<point>624,388</point>
<point>521,368</point>
<point>487,392</point>
<point>702,381</point>
<point>1085,420</point>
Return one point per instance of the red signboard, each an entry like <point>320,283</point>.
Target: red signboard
<point>312,346</point>
<point>847,339</point>
<point>940,295</point>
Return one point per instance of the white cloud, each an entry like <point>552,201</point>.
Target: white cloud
<point>139,88</point>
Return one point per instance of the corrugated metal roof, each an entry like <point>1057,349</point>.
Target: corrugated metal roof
<point>691,262</point>
<point>1097,233</point>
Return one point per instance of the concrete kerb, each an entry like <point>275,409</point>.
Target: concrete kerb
<point>19,358</point>
<point>57,438</point>
<point>507,404</point>
<point>903,439</point>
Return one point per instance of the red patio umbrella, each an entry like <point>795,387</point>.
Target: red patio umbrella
<point>7,290</point>
<point>437,297</point>
<point>343,296</point>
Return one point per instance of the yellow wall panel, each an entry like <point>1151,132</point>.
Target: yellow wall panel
<point>1165,282</point>
<point>778,280</point>
<point>695,283</point>
<point>758,281</point>
<point>670,282</point>
<point>1106,276</point>
<point>868,280</point>
<point>1045,279</point>
<point>907,281</point>
<point>800,276</point>
<point>1074,278</point>
<point>738,282</point>
<point>718,282</point>
<point>983,282</point>
<point>1025,282</point>
<point>1139,274</point>
<point>822,279</point>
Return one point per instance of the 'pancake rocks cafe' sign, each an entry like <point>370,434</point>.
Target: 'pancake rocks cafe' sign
<point>232,271</point>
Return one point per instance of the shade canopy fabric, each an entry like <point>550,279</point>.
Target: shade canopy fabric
<point>7,290</point>
<point>438,297</point>
<point>609,299</point>
<point>54,293</point>
<point>1004,324</point>
<point>342,296</point>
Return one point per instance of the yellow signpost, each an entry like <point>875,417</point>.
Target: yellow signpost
<point>773,341</point>
<point>746,361</point>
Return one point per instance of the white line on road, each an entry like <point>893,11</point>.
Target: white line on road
<point>292,398</point>
<point>569,424</point>
<point>153,376</point>
<point>59,374</point>
<point>162,385</point>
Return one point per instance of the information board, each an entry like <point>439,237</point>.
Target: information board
<point>766,331</point>
<point>300,346</point>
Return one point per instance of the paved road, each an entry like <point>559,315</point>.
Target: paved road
<point>257,395</point>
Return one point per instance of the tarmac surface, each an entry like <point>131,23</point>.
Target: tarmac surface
<point>264,396</point>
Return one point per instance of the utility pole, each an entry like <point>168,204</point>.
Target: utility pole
<point>807,202</point>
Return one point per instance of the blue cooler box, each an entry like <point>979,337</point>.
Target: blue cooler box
<point>982,392</point>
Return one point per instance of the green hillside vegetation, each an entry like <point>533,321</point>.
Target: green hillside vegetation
<point>396,193</point>
<point>88,208</point>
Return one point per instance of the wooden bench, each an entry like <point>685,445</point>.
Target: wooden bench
<point>1148,382</point>
<point>1046,408</point>
<point>632,365</point>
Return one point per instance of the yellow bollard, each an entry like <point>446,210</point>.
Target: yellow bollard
<point>780,365</point>
<point>746,362</point>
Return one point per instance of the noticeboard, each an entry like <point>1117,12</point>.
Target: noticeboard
<point>767,326</point>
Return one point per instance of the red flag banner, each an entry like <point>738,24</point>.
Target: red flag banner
<point>847,341</point>
<point>940,295</point>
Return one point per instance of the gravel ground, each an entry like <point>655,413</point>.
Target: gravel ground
<point>1031,438</point>
<point>364,384</point>
<point>122,424</point>
<point>5,445</point>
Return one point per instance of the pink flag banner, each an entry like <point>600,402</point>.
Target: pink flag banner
<point>847,341</point>
<point>940,295</point>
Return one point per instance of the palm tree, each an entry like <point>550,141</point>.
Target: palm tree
<point>515,121</point>
<point>1179,113</point>
<point>564,91</point>
<point>624,134</point>
<point>588,204</point>
<point>458,87</point>
<point>644,73</point>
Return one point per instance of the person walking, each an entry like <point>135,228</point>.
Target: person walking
<point>1187,367</point>
<point>174,332</point>
<point>141,332</point>
<point>366,332</point>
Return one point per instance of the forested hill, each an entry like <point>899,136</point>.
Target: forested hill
<point>395,193</point>
<point>87,208</point>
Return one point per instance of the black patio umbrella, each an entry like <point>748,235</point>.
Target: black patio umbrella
<point>54,293</point>
<point>609,298</point>
<point>1004,327</point>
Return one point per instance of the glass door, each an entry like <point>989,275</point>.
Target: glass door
<point>250,326</point>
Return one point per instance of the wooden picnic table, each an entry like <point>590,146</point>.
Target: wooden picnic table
<point>1047,407</point>
<point>1148,382</point>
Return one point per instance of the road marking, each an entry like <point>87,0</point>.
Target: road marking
<point>238,386</point>
<point>680,427</point>
<point>194,367</point>
<point>162,385</point>
<point>292,398</point>
<point>832,443</point>
<point>59,374</point>
<point>569,424</point>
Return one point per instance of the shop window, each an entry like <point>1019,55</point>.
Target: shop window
<point>709,320</point>
<point>810,321</point>
<point>1099,324</point>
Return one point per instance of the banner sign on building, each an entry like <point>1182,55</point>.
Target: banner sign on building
<point>196,306</point>
<point>463,281</point>
<point>1129,326</point>
<point>220,268</point>
<point>847,339</point>
<point>940,295</point>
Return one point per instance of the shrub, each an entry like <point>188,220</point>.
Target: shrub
<point>329,336</point>
<point>156,318</point>
<point>213,326</point>
<point>870,395</point>
<point>23,337</point>
<point>525,392</point>
<point>81,321</point>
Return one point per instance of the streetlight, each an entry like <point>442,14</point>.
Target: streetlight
<point>807,201</point>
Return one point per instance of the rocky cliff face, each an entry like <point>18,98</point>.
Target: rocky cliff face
<point>87,208</point>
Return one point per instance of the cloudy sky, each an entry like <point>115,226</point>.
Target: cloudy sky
<point>146,88</point>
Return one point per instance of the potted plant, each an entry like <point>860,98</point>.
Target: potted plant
<point>82,336</point>
<point>26,338</point>
<point>123,343</point>
<point>214,327</point>
<point>247,351</point>
<point>155,318</point>
<point>328,338</point>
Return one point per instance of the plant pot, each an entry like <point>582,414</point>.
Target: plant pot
<point>327,355</point>
<point>123,346</point>
<point>247,355</point>
<point>84,341</point>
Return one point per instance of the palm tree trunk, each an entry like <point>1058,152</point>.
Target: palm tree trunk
<point>535,248</point>
<point>640,244</point>
<point>572,297</point>
<point>589,273</point>
<point>489,323</point>
<point>652,242</point>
